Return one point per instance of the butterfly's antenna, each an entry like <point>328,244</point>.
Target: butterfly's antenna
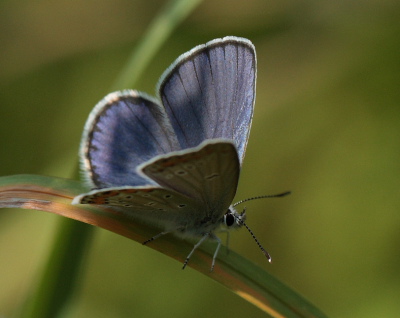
<point>255,239</point>
<point>262,197</point>
<point>240,219</point>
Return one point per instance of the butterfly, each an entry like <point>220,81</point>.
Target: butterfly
<point>174,161</point>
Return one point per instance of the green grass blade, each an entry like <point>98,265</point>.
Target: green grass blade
<point>233,271</point>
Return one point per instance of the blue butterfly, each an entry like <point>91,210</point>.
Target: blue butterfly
<point>174,162</point>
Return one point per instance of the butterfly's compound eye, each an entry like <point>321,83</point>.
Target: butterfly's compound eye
<point>229,218</point>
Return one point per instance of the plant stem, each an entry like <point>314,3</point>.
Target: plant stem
<point>158,32</point>
<point>59,279</point>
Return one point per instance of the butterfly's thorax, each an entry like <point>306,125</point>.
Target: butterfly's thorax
<point>200,227</point>
<point>184,224</point>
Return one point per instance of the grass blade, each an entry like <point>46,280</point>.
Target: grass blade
<point>233,271</point>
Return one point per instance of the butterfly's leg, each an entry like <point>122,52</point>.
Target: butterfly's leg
<point>194,248</point>
<point>216,251</point>
<point>159,235</point>
<point>155,237</point>
<point>228,235</point>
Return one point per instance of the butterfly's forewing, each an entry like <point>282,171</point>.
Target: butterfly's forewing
<point>208,174</point>
<point>124,130</point>
<point>209,92</point>
<point>153,205</point>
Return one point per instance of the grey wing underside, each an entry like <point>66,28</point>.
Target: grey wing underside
<point>153,205</point>
<point>208,174</point>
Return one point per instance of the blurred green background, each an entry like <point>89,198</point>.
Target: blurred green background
<point>326,126</point>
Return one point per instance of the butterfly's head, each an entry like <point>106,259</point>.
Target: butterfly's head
<point>234,219</point>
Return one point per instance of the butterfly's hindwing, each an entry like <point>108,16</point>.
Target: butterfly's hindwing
<point>208,174</point>
<point>151,204</point>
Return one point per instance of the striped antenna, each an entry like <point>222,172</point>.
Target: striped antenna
<point>263,197</point>
<point>240,221</point>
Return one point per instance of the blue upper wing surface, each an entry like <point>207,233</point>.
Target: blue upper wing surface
<point>209,93</point>
<point>124,130</point>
